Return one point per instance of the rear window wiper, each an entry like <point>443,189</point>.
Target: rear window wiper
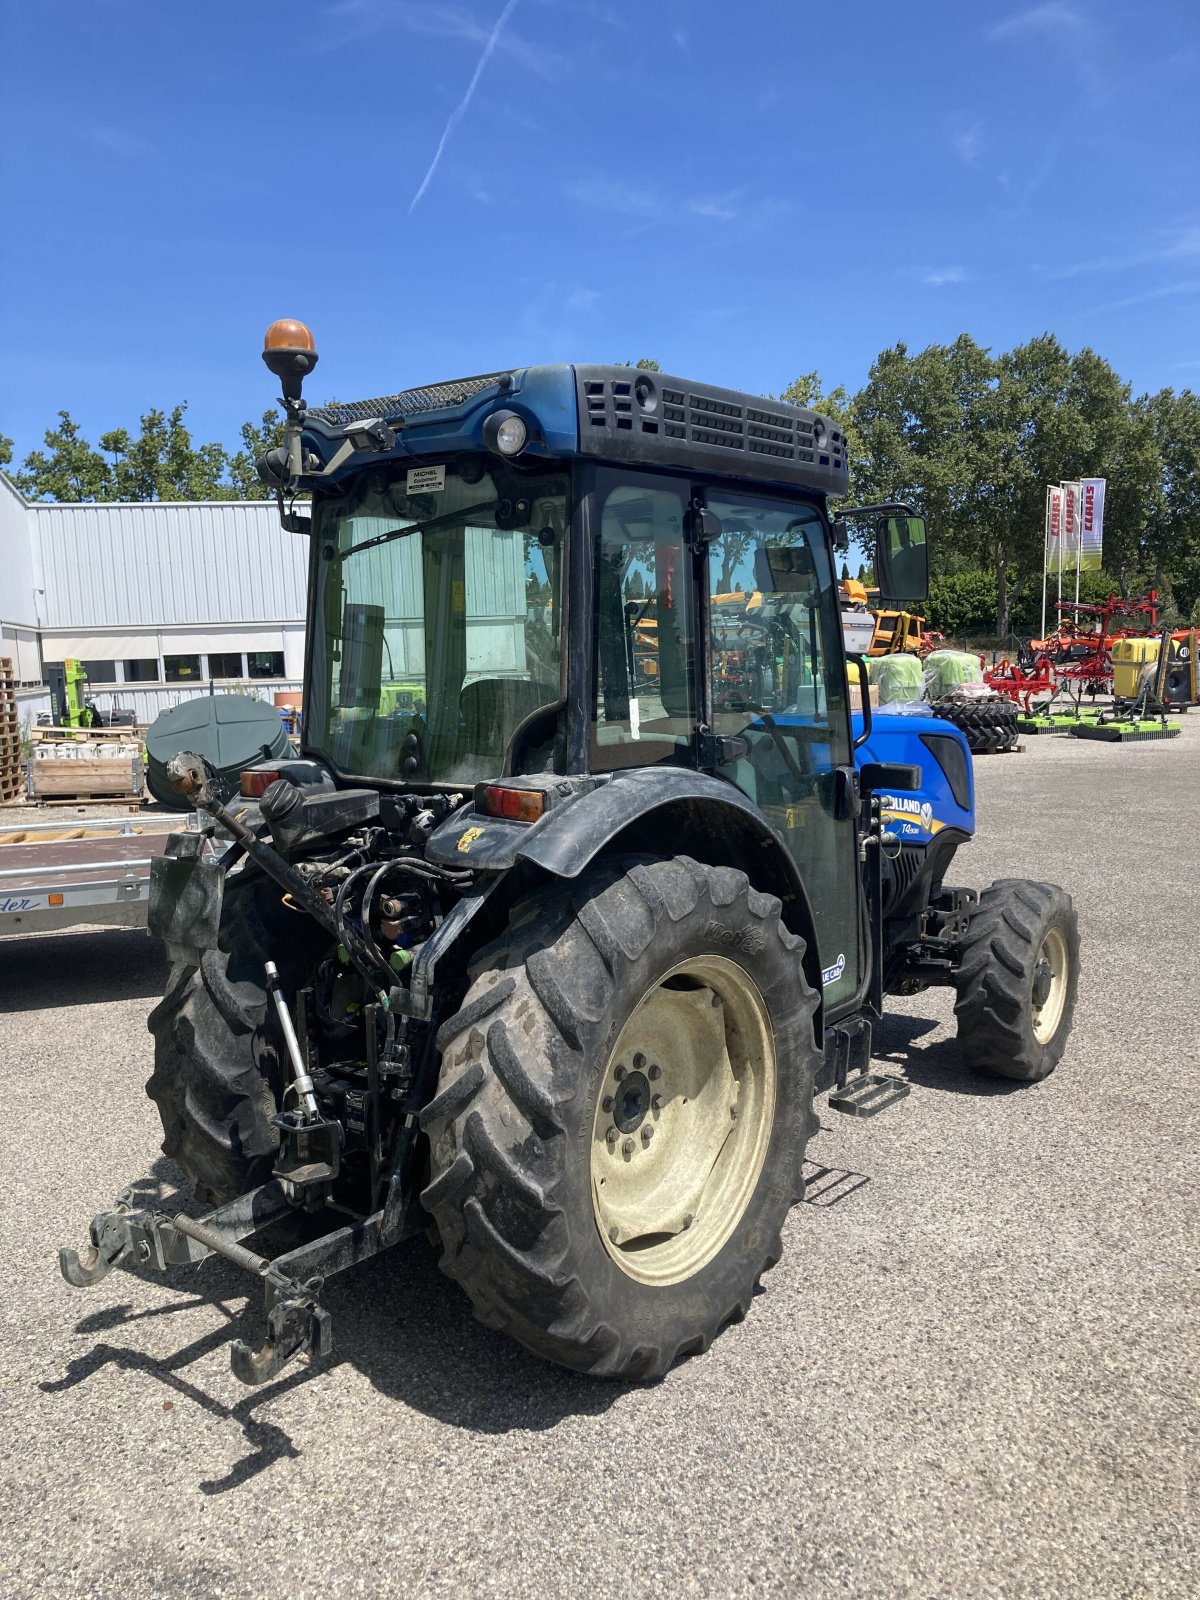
<point>447,519</point>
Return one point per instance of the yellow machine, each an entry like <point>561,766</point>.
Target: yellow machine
<point>1131,657</point>
<point>899,630</point>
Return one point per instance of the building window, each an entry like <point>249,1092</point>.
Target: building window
<point>143,670</point>
<point>181,669</point>
<point>100,671</point>
<point>265,663</point>
<point>226,665</point>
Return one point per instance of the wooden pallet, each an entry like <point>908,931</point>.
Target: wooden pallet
<point>133,802</point>
<point>83,735</point>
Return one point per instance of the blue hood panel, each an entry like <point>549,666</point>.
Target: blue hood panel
<point>919,741</point>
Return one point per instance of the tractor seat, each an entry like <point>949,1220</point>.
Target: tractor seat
<point>491,709</point>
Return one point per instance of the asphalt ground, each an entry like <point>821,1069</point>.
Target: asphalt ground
<point>974,1372</point>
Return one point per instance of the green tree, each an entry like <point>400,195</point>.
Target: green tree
<point>1171,537</point>
<point>256,441</point>
<point>162,463</point>
<point>808,390</point>
<point>6,450</point>
<point>68,469</point>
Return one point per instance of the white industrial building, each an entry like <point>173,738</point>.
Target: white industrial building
<point>161,601</point>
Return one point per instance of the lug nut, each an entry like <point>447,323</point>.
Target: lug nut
<point>656,1102</point>
<point>647,1132</point>
<point>733,1112</point>
<point>639,1061</point>
<point>655,1073</point>
<point>687,1221</point>
<point>612,1136</point>
<point>628,1147</point>
<point>614,1234</point>
<point>619,1073</point>
<point>607,1103</point>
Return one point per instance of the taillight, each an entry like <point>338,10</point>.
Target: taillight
<point>517,805</point>
<point>256,782</point>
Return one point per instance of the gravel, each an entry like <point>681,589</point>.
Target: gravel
<point>974,1373</point>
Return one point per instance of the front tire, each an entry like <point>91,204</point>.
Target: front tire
<point>658,995</point>
<point>1017,980</point>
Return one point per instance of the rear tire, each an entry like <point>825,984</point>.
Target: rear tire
<point>1017,980</point>
<point>617,1275</point>
<point>217,1064</point>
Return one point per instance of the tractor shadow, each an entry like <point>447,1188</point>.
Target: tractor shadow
<point>51,970</point>
<point>934,1065</point>
<point>396,1319</point>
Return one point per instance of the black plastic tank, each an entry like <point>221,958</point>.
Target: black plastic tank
<point>232,731</point>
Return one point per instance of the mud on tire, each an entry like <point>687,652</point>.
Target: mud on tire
<point>1017,931</point>
<point>217,1064</point>
<point>512,1124</point>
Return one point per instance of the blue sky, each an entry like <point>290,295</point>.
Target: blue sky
<point>744,191</point>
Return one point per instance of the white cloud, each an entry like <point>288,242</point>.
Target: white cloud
<point>351,21</point>
<point>1164,246</point>
<point>460,109</point>
<point>966,140</point>
<point>1167,291</point>
<point>118,142</point>
<point>1067,28</point>
<point>632,200</point>
<point>938,277</point>
<point>1055,20</point>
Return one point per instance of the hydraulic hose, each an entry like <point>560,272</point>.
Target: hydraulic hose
<point>188,777</point>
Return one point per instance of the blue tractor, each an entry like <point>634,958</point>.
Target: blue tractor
<point>584,884</point>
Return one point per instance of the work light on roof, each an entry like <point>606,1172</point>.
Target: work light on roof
<point>505,433</point>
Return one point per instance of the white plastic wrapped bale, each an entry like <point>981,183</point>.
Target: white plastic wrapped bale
<point>898,679</point>
<point>954,672</point>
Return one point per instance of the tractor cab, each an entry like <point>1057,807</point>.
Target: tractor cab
<point>579,573</point>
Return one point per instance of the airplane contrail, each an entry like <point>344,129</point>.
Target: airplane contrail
<point>456,115</point>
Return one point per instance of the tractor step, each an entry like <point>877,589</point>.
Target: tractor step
<point>869,1094</point>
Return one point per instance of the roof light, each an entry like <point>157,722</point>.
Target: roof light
<point>517,805</point>
<point>288,334</point>
<point>505,433</point>
<point>289,353</point>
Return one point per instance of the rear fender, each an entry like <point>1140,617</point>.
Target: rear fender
<point>676,812</point>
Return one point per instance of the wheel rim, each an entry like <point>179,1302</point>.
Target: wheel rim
<point>1049,985</point>
<point>683,1120</point>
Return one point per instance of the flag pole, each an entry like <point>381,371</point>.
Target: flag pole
<point>1062,536</point>
<point>1078,540</point>
<point>1045,560</point>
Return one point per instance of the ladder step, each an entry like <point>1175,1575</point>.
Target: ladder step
<point>869,1094</point>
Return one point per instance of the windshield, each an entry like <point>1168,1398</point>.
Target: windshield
<point>437,621</point>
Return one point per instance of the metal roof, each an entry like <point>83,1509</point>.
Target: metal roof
<point>121,564</point>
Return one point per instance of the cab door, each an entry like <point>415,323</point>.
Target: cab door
<point>778,682</point>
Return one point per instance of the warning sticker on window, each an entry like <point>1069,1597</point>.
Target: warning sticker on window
<point>422,480</point>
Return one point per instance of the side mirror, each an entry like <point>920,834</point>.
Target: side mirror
<point>841,535</point>
<point>901,559</point>
<point>701,527</point>
<point>895,776</point>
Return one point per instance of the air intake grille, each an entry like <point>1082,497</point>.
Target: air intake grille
<point>409,403</point>
<point>644,416</point>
